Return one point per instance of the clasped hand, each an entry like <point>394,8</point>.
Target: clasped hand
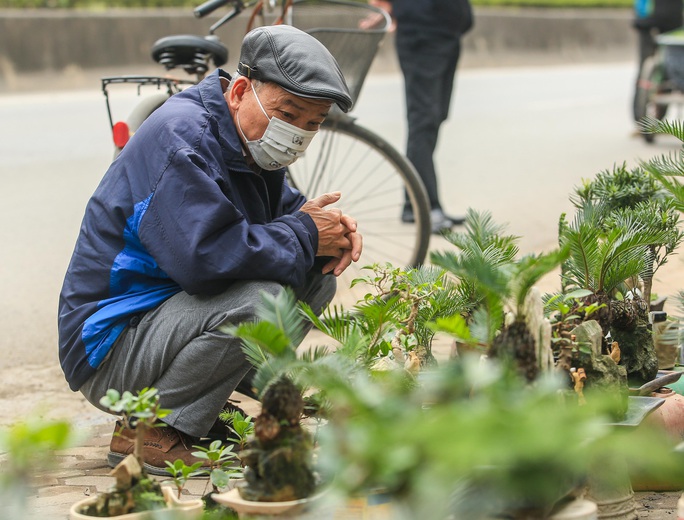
<point>337,233</point>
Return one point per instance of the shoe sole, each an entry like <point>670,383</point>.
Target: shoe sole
<point>113,459</point>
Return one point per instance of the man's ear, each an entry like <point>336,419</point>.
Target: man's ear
<point>236,93</point>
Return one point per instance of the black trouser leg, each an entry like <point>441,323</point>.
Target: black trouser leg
<point>428,64</point>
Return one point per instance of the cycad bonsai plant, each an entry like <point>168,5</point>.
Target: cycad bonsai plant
<point>278,458</point>
<point>640,195</point>
<point>503,310</point>
<point>607,249</point>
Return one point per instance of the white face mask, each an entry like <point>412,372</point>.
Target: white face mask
<point>281,145</point>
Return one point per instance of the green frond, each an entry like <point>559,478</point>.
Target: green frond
<point>583,239</point>
<point>454,325</point>
<point>652,125</point>
<point>327,368</point>
<point>314,354</point>
<point>254,353</point>
<point>442,304</point>
<point>356,346</point>
<point>378,313</point>
<point>665,165</point>
<point>618,188</point>
<point>666,169</point>
<point>335,322</point>
<point>530,269</point>
<point>629,266</point>
<point>486,322</point>
<point>264,335</point>
<point>269,371</point>
<point>481,232</point>
<point>425,275</point>
<point>283,312</point>
<point>627,244</point>
<point>475,264</point>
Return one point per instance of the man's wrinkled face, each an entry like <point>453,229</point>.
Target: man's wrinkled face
<point>304,113</point>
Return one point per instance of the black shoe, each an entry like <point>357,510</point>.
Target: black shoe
<point>407,214</point>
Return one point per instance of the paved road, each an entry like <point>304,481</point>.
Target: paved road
<point>518,140</point>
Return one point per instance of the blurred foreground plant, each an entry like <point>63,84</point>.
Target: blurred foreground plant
<point>26,449</point>
<point>473,440</point>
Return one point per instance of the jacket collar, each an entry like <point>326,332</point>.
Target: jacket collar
<point>211,94</point>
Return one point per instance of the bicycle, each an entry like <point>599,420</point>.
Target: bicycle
<point>661,81</point>
<point>372,175</point>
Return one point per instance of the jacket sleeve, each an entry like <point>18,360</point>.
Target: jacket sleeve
<point>292,199</point>
<point>203,242</point>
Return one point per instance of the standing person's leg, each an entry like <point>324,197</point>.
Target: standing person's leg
<point>449,77</point>
<point>179,349</point>
<point>428,64</point>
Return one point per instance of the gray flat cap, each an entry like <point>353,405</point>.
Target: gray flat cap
<point>296,61</point>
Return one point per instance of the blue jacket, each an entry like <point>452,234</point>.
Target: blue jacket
<point>178,210</point>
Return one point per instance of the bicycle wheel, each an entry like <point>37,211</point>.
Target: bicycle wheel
<point>373,178</point>
<point>142,111</point>
<point>649,85</point>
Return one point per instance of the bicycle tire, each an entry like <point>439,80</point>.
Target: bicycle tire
<point>649,84</point>
<point>373,178</point>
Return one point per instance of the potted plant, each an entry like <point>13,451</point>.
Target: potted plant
<point>607,249</point>
<point>279,473</point>
<point>504,311</point>
<point>135,495</point>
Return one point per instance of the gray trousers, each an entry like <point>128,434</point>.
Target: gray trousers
<point>177,349</point>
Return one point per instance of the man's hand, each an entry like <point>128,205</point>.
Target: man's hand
<point>337,233</point>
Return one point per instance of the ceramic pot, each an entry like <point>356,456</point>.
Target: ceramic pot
<point>178,509</point>
<point>614,497</point>
<point>665,340</point>
<point>250,508</point>
<point>670,418</point>
<point>578,509</point>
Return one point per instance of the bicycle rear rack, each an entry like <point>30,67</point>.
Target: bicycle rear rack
<point>172,85</point>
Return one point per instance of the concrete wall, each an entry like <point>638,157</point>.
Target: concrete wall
<point>38,41</point>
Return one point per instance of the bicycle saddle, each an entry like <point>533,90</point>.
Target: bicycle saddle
<point>190,52</point>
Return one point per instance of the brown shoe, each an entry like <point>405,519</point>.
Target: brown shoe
<point>160,445</point>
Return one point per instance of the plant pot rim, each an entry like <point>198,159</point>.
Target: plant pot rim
<point>233,500</point>
<point>190,508</point>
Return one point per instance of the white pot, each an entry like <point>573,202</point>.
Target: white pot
<point>177,510</point>
<point>245,508</point>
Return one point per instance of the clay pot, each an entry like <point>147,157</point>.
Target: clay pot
<point>669,416</point>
